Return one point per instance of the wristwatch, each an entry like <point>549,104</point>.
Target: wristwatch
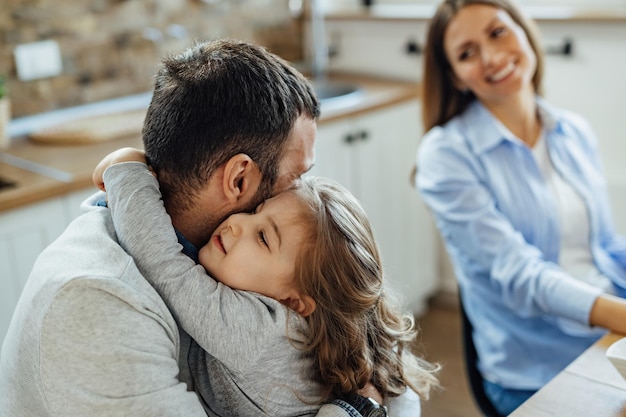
<point>366,406</point>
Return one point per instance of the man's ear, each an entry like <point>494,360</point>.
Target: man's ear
<point>241,178</point>
<point>301,304</point>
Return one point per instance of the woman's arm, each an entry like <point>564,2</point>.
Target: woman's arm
<point>609,311</point>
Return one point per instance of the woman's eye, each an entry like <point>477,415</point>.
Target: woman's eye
<point>262,239</point>
<point>467,53</point>
<point>497,32</point>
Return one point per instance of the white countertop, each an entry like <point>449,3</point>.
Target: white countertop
<point>23,125</point>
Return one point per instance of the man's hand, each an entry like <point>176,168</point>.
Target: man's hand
<point>116,157</point>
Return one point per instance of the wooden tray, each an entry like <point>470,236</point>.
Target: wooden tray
<point>93,129</point>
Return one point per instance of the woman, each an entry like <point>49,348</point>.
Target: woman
<point>519,197</point>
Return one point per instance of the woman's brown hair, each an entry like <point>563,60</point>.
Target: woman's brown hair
<point>442,100</point>
<point>356,334</point>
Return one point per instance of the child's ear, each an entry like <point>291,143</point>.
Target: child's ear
<point>303,305</point>
<point>241,178</point>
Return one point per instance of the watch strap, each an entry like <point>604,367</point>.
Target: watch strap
<point>366,406</point>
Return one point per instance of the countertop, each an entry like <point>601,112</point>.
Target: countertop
<point>412,12</point>
<point>589,386</point>
<point>45,171</point>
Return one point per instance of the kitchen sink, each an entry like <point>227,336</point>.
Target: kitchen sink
<point>334,90</point>
<point>6,184</point>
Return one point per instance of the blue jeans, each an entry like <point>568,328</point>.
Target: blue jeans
<point>503,399</point>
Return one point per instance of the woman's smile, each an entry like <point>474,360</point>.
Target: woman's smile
<point>503,73</point>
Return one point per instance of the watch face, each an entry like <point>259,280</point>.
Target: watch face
<point>376,410</point>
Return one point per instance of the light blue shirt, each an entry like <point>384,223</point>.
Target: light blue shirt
<point>500,225</point>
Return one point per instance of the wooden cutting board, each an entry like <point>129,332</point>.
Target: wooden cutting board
<point>92,129</point>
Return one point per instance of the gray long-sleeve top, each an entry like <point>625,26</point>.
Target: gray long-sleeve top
<point>244,363</point>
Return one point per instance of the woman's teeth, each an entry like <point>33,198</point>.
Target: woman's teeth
<point>504,72</point>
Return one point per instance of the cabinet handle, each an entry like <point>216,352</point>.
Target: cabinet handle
<point>566,49</point>
<point>413,48</point>
<point>353,137</point>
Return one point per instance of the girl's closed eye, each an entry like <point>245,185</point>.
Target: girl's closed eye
<point>261,236</point>
<point>258,208</point>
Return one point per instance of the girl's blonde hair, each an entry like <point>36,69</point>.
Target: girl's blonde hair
<point>356,334</point>
<point>442,100</point>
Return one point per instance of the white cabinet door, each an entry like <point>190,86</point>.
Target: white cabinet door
<point>333,152</point>
<point>24,233</point>
<point>403,227</point>
<point>372,155</point>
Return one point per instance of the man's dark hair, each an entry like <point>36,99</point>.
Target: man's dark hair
<point>218,99</point>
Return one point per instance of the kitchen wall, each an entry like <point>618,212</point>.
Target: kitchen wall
<point>110,48</point>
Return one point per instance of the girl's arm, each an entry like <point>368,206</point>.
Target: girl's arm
<point>115,157</point>
<point>226,323</point>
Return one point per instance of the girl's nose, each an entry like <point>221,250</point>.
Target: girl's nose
<point>237,223</point>
<point>234,226</point>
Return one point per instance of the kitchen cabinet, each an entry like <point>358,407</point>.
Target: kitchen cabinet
<point>372,154</point>
<point>24,233</point>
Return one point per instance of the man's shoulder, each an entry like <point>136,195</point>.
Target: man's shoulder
<point>87,247</point>
<point>88,256</point>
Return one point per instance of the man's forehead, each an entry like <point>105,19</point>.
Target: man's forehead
<point>299,154</point>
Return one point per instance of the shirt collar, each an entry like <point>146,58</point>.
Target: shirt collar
<point>484,131</point>
<point>188,248</point>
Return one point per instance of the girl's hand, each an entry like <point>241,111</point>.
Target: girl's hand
<point>116,157</point>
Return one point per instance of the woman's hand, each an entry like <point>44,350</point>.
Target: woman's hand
<point>609,312</point>
<point>116,157</point>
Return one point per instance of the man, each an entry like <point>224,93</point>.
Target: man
<point>229,125</point>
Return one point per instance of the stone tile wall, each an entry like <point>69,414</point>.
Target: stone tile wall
<point>111,48</point>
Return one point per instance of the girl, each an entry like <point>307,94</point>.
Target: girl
<point>294,311</point>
